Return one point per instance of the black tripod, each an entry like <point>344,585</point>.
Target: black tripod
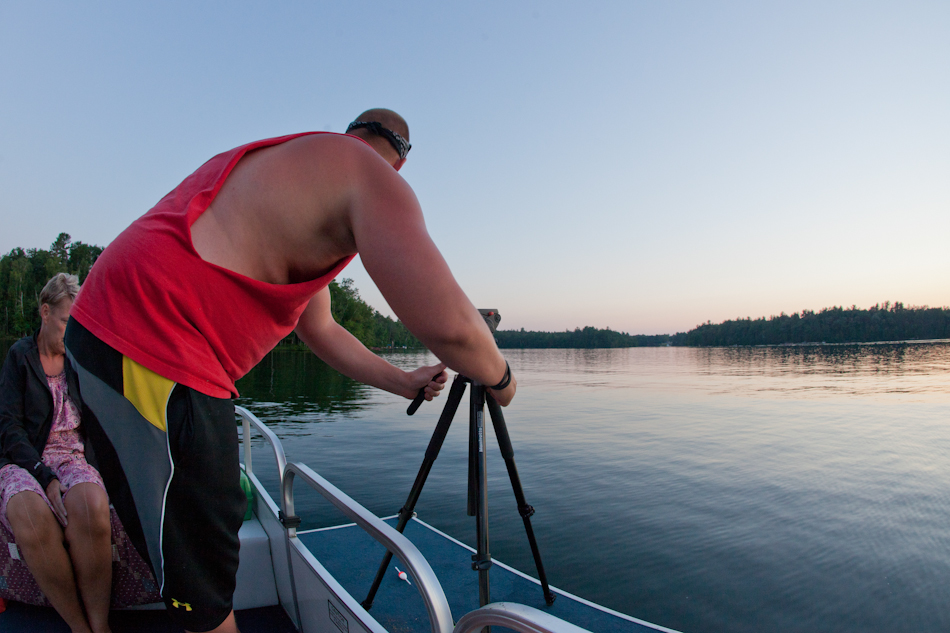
<point>477,477</point>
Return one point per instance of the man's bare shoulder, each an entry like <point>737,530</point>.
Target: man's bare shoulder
<point>334,152</point>
<point>294,199</point>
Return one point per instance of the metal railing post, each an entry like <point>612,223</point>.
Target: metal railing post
<point>249,419</point>
<point>440,615</point>
<point>517,617</point>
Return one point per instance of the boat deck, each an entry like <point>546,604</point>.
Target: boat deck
<point>353,557</point>
<point>323,574</point>
<point>22,618</point>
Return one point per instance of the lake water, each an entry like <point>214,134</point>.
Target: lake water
<point>739,489</point>
<point>747,489</point>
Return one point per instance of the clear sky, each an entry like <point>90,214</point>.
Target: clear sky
<point>639,165</point>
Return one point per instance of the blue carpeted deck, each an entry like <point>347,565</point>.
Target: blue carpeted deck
<point>353,558</point>
<point>23,618</point>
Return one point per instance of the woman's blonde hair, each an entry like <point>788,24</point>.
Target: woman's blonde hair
<point>61,286</point>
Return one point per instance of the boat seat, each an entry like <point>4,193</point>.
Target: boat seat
<point>133,584</point>
<point>256,586</point>
<point>132,580</point>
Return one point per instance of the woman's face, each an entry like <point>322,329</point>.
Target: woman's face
<point>54,320</point>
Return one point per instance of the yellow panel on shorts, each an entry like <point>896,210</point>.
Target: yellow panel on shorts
<point>147,391</point>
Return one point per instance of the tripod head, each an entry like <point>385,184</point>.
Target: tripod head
<point>492,318</point>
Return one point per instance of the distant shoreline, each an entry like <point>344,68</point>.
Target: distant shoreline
<point>823,344</point>
<point>881,323</point>
<point>23,273</point>
<point>809,344</point>
<point>6,342</point>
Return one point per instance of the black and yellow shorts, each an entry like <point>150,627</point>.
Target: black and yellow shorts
<point>169,458</point>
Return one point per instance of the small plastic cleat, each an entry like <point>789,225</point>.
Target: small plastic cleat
<point>402,575</point>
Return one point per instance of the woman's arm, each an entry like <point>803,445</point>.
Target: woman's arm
<point>15,445</point>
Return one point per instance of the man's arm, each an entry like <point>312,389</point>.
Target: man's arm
<point>344,352</point>
<point>409,270</point>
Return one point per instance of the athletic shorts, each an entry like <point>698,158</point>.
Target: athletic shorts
<point>169,458</point>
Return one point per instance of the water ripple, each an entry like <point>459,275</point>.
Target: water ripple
<point>739,489</point>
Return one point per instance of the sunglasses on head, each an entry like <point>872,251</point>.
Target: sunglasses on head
<point>400,144</point>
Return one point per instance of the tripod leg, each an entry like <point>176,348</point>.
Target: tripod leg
<point>432,452</point>
<point>472,507</point>
<point>482,558</point>
<point>508,453</point>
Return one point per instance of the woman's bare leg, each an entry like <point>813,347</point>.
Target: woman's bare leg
<point>88,533</point>
<point>39,537</point>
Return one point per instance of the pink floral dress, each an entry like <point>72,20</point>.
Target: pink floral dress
<point>64,454</point>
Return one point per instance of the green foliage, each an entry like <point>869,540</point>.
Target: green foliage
<point>378,331</point>
<point>887,322</point>
<point>301,382</point>
<point>24,273</point>
<point>586,338</point>
<point>362,321</point>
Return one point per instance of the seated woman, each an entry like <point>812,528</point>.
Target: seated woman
<point>51,499</point>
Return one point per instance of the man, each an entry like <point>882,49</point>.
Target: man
<point>195,292</point>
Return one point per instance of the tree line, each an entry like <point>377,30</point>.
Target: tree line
<point>23,273</point>
<point>586,338</point>
<point>881,322</point>
<point>374,330</point>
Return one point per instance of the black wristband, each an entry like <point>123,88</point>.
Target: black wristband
<point>506,379</point>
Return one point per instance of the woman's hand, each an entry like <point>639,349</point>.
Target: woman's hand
<point>55,495</point>
<point>431,377</point>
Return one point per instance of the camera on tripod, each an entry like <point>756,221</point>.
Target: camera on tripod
<point>492,318</point>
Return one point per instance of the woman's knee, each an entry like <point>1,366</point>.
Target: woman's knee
<point>33,523</point>
<point>87,506</point>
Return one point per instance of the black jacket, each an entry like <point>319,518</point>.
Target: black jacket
<point>26,409</point>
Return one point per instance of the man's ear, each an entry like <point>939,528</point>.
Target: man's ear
<point>399,163</point>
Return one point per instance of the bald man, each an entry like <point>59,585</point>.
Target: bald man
<point>195,292</point>
<point>384,131</point>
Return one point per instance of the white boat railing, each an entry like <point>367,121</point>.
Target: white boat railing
<point>287,591</point>
<point>440,615</point>
<point>249,419</point>
<point>517,617</point>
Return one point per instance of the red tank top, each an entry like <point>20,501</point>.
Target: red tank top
<point>151,296</point>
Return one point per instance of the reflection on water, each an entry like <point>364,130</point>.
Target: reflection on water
<point>847,370</point>
<point>738,489</point>
<point>724,489</point>
<point>293,385</point>
<point>916,370</point>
